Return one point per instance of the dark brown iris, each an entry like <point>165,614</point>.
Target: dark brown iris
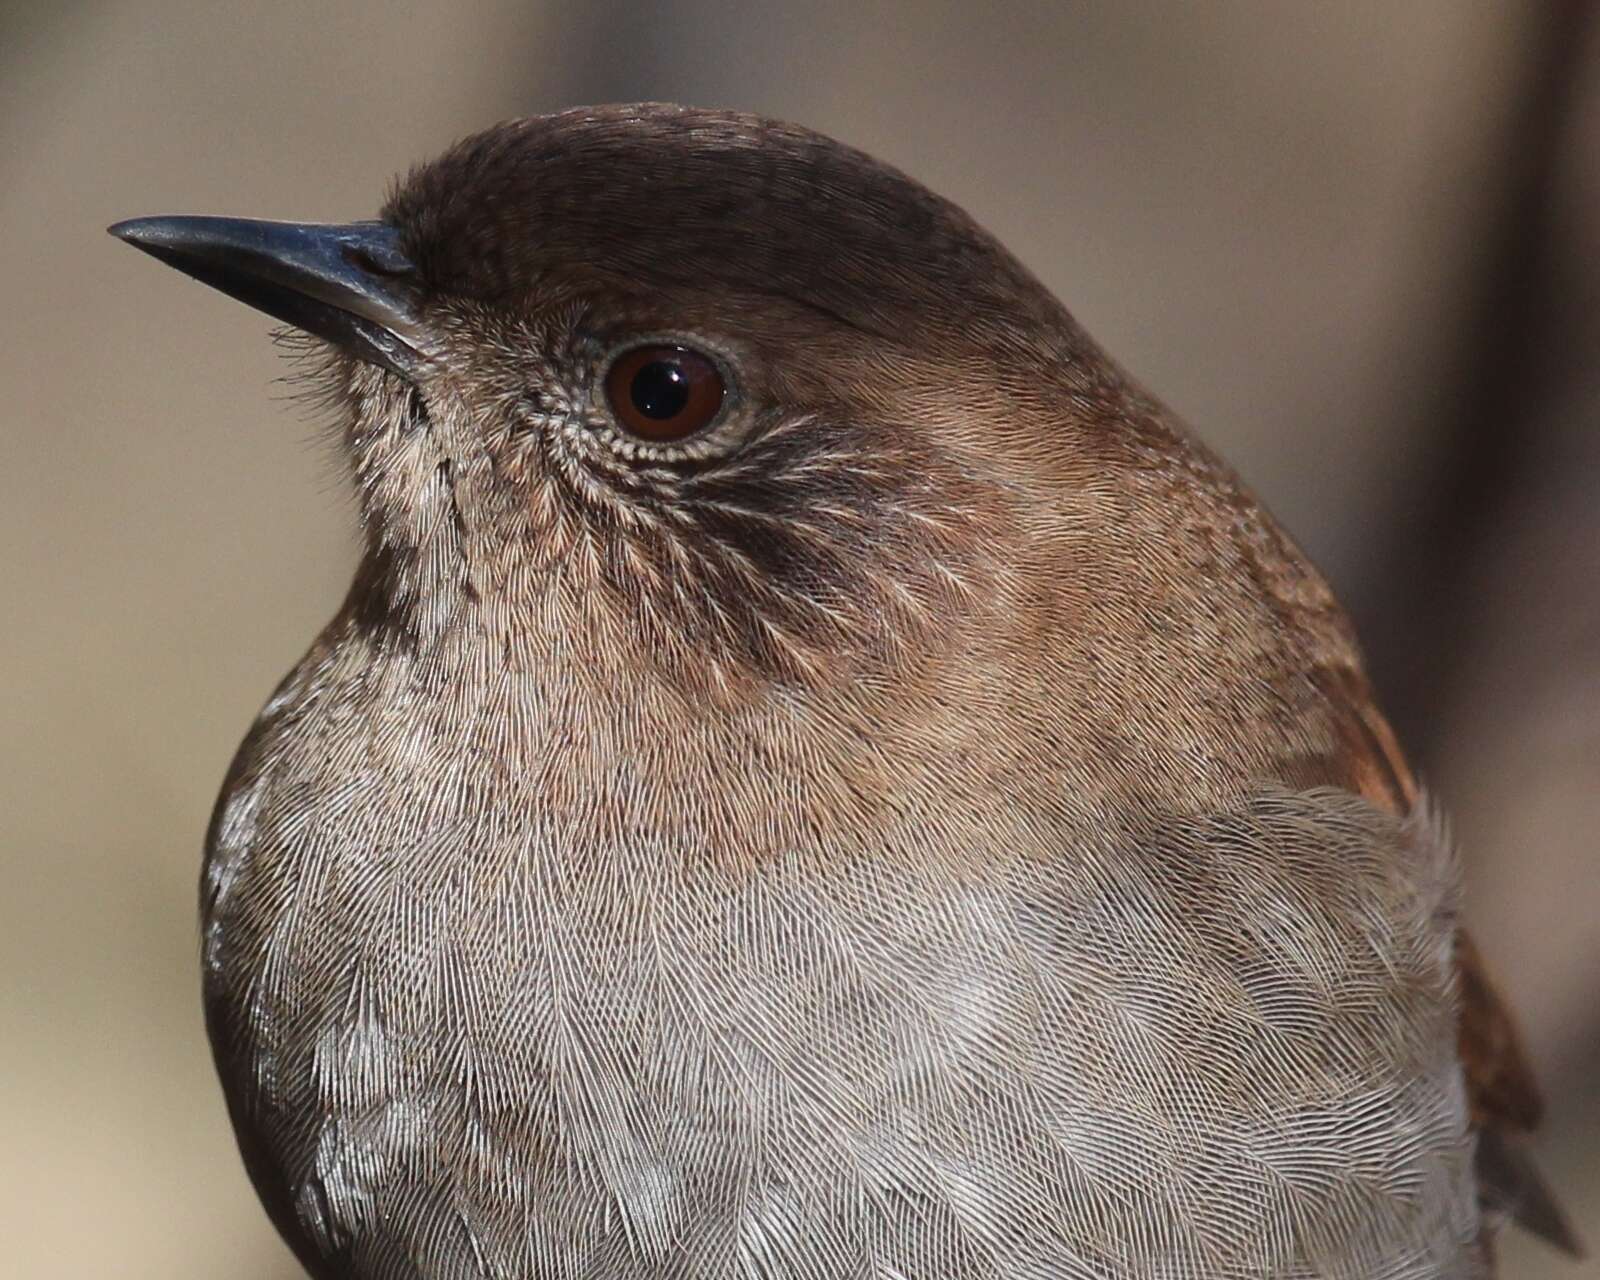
<point>662,392</point>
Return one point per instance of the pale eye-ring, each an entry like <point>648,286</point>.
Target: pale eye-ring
<point>663,392</point>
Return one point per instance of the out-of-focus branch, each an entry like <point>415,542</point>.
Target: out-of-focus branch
<point>1487,407</point>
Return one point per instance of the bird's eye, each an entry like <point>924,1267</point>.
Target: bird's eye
<point>662,392</point>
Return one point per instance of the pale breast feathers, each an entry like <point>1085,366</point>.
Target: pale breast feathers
<point>1229,1054</point>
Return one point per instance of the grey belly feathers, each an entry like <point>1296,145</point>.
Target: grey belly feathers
<point>479,1047</point>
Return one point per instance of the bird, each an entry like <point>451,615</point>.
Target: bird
<point>817,774</point>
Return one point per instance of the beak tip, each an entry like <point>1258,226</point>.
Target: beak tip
<point>141,233</point>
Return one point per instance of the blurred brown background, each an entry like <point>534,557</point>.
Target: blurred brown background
<point>1358,244</point>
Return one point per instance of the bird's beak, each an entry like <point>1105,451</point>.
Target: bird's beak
<point>350,284</point>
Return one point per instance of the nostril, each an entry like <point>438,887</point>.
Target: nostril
<point>365,258</point>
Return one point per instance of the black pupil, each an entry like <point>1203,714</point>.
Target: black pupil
<point>660,390</point>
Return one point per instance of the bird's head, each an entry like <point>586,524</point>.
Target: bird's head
<point>707,392</point>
